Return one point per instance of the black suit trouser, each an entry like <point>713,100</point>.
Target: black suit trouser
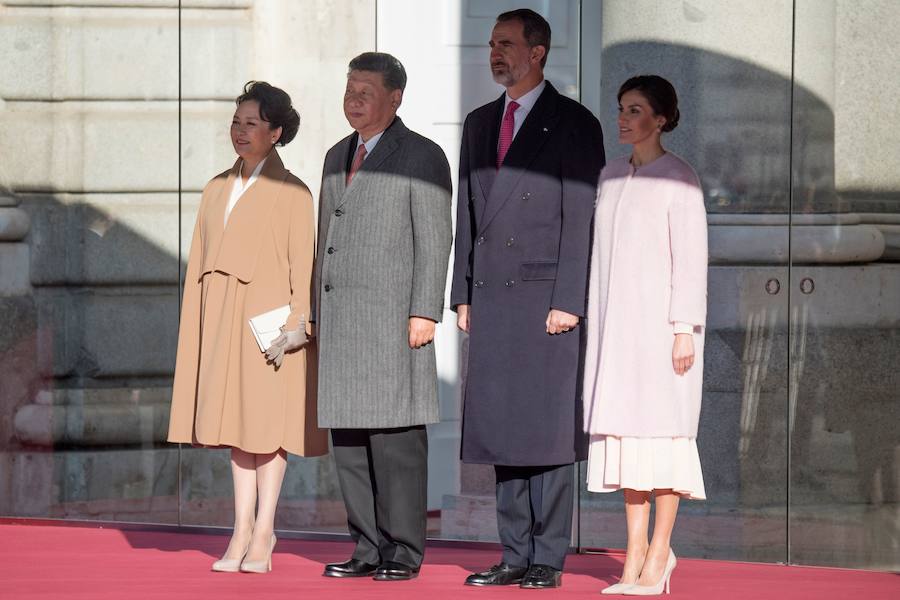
<point>534,514</point>
<point>383,475</point>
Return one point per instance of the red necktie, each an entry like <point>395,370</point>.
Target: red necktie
<point>506,131</point>
<point>357,162</point>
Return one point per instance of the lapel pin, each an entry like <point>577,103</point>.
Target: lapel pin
<point>546,130</point>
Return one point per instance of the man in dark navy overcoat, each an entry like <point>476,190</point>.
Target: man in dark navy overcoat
<point>529,166</point>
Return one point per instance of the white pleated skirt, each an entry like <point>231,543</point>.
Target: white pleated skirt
<point>645,464</point>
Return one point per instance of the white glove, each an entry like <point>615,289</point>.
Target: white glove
<point>288,341</point>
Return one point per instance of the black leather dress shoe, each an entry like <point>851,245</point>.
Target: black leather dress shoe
<point>502,574</point>
<point>541,576</point>
<point>394,571</point>
<point>351,568</point>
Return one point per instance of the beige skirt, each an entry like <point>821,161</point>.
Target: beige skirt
<point>645,464</point>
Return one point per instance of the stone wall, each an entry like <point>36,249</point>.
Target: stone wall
<point>96,212</point>
<point>97,208</point>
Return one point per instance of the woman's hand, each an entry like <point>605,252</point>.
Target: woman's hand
<point>683,353</point>
<point>288,341</point>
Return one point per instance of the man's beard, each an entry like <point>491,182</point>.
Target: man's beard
<point>509,76</point>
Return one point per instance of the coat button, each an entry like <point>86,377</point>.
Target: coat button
<point>327,287</point>
<point>510,242</point>
<point>338,212</point>
<point>526,195</point>
<point>480,240</point>
<point>330,250</point>
<point>479,283</point>
<point>510,282</point>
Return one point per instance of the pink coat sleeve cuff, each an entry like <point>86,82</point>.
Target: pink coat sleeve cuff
<point>680,327</point>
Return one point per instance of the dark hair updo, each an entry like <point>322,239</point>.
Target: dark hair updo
<point>659,94</point>
<point>274,107</point>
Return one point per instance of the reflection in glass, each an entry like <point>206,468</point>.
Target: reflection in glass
<point>734,88</point>
<point>89,261</point>
<point>91,235</point>
<point>845,301</point>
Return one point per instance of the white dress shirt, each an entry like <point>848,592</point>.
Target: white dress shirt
<point>526,103</point>
<point>370,145</point>
<point>239,188</point>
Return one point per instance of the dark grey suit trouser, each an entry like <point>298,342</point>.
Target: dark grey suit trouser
<point>534,514</point>
<point>383,475</point>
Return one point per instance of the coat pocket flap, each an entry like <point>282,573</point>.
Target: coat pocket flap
<point>241,265</point>
<point>538,270</point>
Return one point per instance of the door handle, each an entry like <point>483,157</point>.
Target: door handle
<point>807,285</point>
<point>773,286</point>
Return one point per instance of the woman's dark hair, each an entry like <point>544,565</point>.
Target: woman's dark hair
<point>535,28</point>
<point>659,94</point>
<point>274,107</point>
<point>392,72</point>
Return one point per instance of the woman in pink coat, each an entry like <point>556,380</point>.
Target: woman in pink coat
<point>646,315</point>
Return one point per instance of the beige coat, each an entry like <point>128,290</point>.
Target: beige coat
<point>225,393</point>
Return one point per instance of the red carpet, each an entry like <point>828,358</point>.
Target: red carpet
<point>59,562</point>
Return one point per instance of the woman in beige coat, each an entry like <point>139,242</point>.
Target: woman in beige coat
<point>252,252</point>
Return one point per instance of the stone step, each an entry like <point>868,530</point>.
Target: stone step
<point>118,395</point>
<point>95,417</point>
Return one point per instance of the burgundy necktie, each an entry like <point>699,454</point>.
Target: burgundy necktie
<point>506,131</point>
<point>357,162</point>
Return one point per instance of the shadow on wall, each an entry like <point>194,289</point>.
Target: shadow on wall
<point>103,308</point>
<point>771,366</point>
<point>86,369</point>
<point>86,357</point>
<point>735,128</point>
<point>86,361</point>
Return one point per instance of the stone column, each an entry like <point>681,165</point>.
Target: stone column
<point>14,226</point>
<point>18,372</point>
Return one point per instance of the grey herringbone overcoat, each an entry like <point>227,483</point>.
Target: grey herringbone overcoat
<point>384,242</point>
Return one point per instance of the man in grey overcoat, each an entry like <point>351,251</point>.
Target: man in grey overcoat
<point>529,166</point>
<point>383,245</point>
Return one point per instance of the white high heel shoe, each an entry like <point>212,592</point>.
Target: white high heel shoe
<point>259,566</point>
<point>230,565</point>
<point>663,583</point>
<point>619,587</point>
<point>616,588</point>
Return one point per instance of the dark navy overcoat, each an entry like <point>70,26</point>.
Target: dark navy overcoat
<point>522,248</point>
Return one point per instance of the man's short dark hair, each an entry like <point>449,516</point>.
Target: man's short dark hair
<point>535,28</point>
<point>391,69</point>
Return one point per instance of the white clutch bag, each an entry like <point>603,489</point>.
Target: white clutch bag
<point>267,326</point>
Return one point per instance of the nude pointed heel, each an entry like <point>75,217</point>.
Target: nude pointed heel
<point>662,584</point>
<point>230,565</point>
<point>616,588</point>
<point>259,566</point>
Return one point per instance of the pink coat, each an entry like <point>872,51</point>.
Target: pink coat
<point>648,272</point>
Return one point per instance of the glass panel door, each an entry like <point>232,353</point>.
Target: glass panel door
<point>845,289</point>
<point>731,65</point>
<point>88,259</point>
